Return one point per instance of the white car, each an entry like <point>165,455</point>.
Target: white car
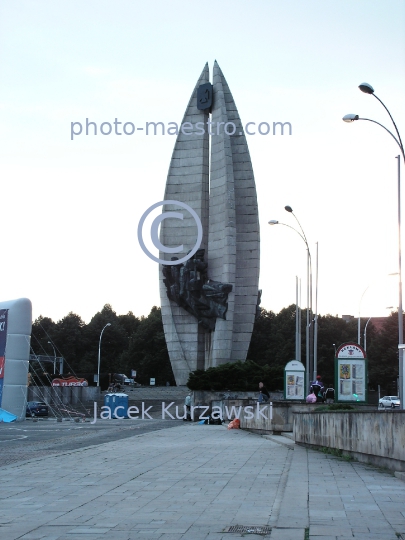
<point>389,401</point>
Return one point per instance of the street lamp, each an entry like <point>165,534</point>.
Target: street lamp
<point>313,341</point>
<point>99,350</point>
<point>309,288</point>
<point>54,357</point>
<point>368,89</point>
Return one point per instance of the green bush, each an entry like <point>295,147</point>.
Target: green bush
<point>237,376</point>
<point>335,407</point>
<point>340,407</point>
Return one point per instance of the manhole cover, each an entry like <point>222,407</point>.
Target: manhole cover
<point>254,529</point>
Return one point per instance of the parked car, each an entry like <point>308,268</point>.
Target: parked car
<point>389,401</point>
<point>36,408</point>
<point>123,379</point>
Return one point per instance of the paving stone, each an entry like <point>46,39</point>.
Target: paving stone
<point>192,482</point>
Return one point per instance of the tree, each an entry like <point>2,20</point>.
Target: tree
<point>69,338</point>
<point>382,351</point>
<point>147,352</point>
<point>43,330</point>
<point>332,330</point>
<point>114,342</point>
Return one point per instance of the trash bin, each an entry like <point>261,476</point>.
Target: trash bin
<point>117,400</point>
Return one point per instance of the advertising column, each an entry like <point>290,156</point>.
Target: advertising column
<point>351,373</point>
<point>294,380</point>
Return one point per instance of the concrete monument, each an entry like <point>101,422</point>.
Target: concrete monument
<point>209,303</point>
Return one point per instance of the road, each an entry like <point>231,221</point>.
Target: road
<point>29,440</point>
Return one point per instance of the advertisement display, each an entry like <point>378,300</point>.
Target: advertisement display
<point>351,373</point>
<point>294,380</point>
<point>70,381</point>
<point>3,341</point>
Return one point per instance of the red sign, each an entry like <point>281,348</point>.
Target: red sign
<point>70,381</point>
<point>2,360</point>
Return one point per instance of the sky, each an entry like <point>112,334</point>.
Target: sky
<point>70,208</point>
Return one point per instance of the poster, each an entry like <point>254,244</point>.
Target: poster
<point>345,371</point>
<point>295,386</point>
<point>345,387</point>
<point>358,371</point>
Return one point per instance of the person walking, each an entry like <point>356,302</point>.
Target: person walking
<point>187,403</point>
<point>318,388</point>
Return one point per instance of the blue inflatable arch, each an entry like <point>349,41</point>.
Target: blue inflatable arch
<point>15,337</point>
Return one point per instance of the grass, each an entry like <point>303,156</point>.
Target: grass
<point>336,452</point>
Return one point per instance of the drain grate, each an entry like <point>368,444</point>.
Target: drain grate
<point>265,529</point>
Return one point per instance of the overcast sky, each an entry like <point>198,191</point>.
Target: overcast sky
<point>70,208</point>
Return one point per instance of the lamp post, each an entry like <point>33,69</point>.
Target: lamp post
<point>368,89</point>
<point>99,351</point>
<point>54,357</point>
<point>359,320</point>
<point>365,334</point>
<point>308,366</point>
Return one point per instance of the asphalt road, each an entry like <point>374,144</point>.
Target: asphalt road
<point>30,440</point>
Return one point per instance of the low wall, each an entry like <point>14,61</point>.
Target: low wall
<point>68,395</point>
<point>278,419</point>
<point>282,418</point>
<point>206,396</point>
<point>372,437</point>
<point>283,413</point>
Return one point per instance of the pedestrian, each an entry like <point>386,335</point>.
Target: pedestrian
<point>318,388</point>
<point>264,395</point>
<point>187,403</point>
<point>318,381</point>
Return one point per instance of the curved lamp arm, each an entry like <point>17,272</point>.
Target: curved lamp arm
<point>395,126</point>
<point>386,129</point>
<point>275,222</point>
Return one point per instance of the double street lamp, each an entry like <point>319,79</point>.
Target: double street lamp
<point>99,354</point>
<point>311,357</point>
<point>368,89</point>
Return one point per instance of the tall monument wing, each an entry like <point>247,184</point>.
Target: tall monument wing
<point>187,182</point>
<point>222,222</point>
<point>247,232</point>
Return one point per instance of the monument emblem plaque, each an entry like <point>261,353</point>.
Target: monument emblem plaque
<point>209,303</point>
<point>204,97</point>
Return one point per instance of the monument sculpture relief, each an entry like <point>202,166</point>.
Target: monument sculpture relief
<point>188,285</point>
<point>209,303</point>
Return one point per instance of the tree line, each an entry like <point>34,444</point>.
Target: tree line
<point>138,343</point>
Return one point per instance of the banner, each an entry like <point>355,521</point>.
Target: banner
<point>3,341</point>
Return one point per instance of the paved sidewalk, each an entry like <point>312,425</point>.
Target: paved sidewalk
<point>194,482</point>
